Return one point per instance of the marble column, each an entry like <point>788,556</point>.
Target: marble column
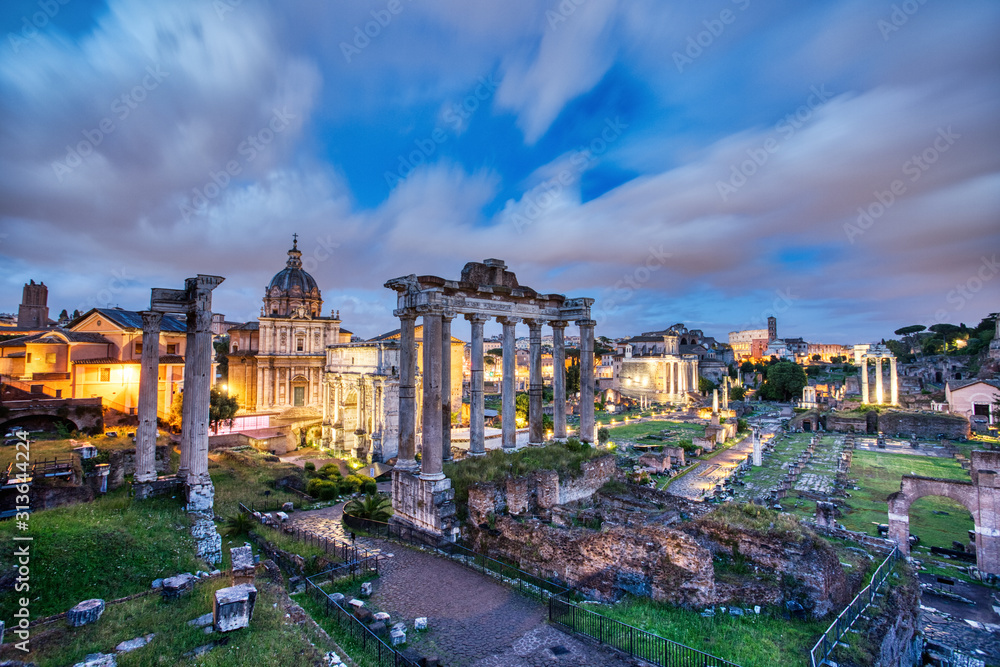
<point>715,401</point>
<point>558,380</point>
<point>879,394</point>
<point>407,393</point>
<point>259,402</point>
<point>508,394</point>
<point>894,381</point>
<point>446,408</point>
<point>149,378</point>
<point>758,459</point>
<point>187,421</point>
<point>430,461</point>
<point>673,380</point>
<point>477,429</point>
<point>536,436</point>
<point>864,380</point>
<point>198,388</point>
<point>586,379</point>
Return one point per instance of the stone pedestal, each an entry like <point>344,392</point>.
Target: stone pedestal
<point>208,542</point>
<point>86,612</point>
<point>244,569</point>
<point>425,505</point>
<point>233,607</point>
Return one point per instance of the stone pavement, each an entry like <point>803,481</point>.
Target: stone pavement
<point>715,470</point>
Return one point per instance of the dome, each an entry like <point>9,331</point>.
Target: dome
<point>292,290</point>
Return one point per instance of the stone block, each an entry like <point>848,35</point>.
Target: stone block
<point>420,623</point>
<point>378,627</point>
<point>157,583</point>
<point>382,616</point>
<point>98,660</point>
<point>178,585</point>
<point>356,604</point>
<point>233,607</point>
<point>281,516</point>
<point>338,598</point>
<point>86,612</point>
<point>364,615</point>
<point>243,566</point>
<point>399,626</point>
<point>397,637</point>
<point>366,589</point>
<point>201,621</point>
<point>288,507</point>
<point>133,644</point>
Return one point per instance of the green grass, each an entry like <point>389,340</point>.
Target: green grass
<point>343,638</point>
<point>249,480</point>
<point>109,548</point>
<point>61,448</point>
<point>879,474</point>
<point>269,641</point>
<point>750,641</point>
<point>498,465</point>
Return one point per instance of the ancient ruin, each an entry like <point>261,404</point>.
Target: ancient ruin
<point>878,354</point>
<point>981,496</point>
<point>485,290</point>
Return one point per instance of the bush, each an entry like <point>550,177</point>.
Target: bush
<point>323,489</point>
<point>310,466</point>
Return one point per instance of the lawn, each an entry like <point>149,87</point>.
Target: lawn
<point>109,548</point>
<point>248,478</point>
<point>41,450</point>
<point>663,432</point>
<point>936,520</point>
<point>750,641</point>
<point>271,640</point>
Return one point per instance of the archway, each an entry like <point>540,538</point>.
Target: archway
<point>979,496</point>
<point>300,390</point>
<point>48,423</point>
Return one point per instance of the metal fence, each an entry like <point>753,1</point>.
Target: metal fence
<point>337,549</point>
<point>638,643</point>
<point>828,642</point>
<point>373,650</point>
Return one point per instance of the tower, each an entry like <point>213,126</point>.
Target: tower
<point>772,328</point>
<point>33,312</point>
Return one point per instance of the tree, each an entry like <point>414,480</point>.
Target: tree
<point>521,405</point>
<point>222,408</point>
<point>374,507</point>
<point>817,357</point>
<point>733,371</point>
<point>76,314</point>
<point>63,316</point>
<point>603,435</point>
<point>738,393</point>
<point>572,379</point>
<point>176,409</point>
<point>221,346</point>
<point>907,331</point>
<point>705,386</point>
<point>747,366</point>
<point>785,380</point>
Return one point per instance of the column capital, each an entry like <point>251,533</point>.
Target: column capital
<point>508,320</point>
<point>447,315</point>
<point>151,320</point>
<point>477,318</point>
<point>533,324</point>
<point>430,309</point>
<point>405,313</point>
<point>558,324</point>
<point>586,323</point>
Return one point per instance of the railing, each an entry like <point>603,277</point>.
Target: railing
<point>638,643</point>
<point>338,549</point>
<point>44,468</point>
<point>371,645</point>
<point>828,642</point>
<point>626,638</point>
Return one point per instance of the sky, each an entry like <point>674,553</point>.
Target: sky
<point>834,164</point>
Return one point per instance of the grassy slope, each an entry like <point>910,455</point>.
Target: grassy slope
<point>268,642</point>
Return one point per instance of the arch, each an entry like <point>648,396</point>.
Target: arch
<point>37,422</point>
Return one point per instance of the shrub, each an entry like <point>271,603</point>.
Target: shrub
<point>373,506</point>
<point>323,489</point>
<point>310,466</point>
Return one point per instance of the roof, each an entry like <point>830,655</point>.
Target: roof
<point>246,326</point>
<point>70,336</point>
<point>131,319</point>
<point>395,334</point>
<point>961,384</point>
<point>106,361</point>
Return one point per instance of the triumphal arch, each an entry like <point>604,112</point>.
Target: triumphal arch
<point>422,496</point>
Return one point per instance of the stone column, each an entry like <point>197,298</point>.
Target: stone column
<point>536,435</point>
<point>187,421</point>
<point>259,402</point>
<point>894,381</point>
<point>725,393</point>
<point>477,431</point>
<point>558,380</point>
<point>879,395</point>
<point>149,376</point>
<point>198,388</point>
<point>586,379</point>
<point>864,380</point>
<point>407,392</point>
<point>715,401</point>
<point>431,451</point>
<point>507,391</point>
<point>446,385</point>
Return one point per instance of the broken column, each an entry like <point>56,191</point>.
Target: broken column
<point>145,444</point>
<point>233,607</point>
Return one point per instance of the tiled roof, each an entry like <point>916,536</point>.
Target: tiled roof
<point>106,361</point>
<point>72,336</point>
<point>131,319</point>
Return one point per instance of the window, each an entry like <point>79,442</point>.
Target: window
<point>138,348</point>
<point>171,348</point>
<point>105,375</point>
<point>299,344</point>
<point>27,357</point>
<point>236,347</point>
<point>50,357</point>
<point>981,409</point>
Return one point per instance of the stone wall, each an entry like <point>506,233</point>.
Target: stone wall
<point>540,490</point>
<point>954,427</point>
<point>846,424</point>
<point>123,463</point>
<point>660,562</point>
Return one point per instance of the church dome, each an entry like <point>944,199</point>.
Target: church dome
<point>292,290</point>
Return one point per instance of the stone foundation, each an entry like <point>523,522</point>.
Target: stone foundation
<point>200,496</point>
<point>208,542</point>
<point>123,463</point>
<point>426,505</point>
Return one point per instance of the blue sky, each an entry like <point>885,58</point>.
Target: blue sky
<point>835,164</point>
